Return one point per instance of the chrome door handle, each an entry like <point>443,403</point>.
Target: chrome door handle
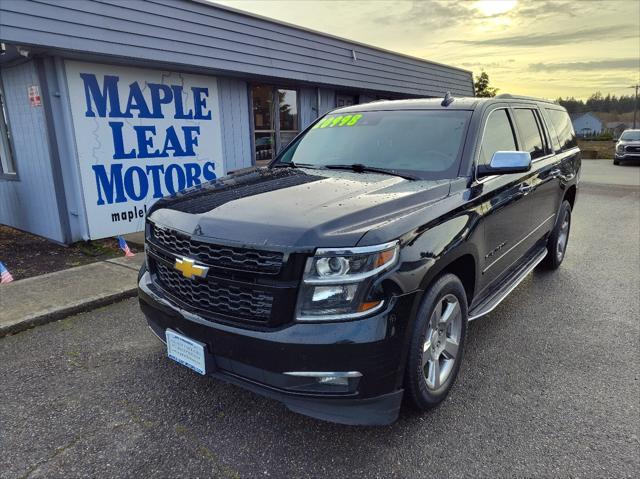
<point>555,172</point>
<point>525,189</point>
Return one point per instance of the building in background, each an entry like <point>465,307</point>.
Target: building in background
<point>587,124</point>
<point>109,105</point>
<point>616,128</point>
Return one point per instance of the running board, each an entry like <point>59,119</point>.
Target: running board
<point>491,302</point>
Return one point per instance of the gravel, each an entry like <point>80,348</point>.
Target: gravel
<point>549,388</point>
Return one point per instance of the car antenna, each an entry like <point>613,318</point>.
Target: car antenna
<point>448,99</point>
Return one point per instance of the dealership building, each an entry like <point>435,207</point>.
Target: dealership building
<point>109,105</point>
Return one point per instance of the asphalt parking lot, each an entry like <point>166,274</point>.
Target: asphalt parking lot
<point>550,387</point>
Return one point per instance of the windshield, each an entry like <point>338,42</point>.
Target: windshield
<point>630,135</point>
<point>423,143</point>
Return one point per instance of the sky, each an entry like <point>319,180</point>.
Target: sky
<point>544,48</point>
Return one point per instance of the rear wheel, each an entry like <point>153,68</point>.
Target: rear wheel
<point>438,343</point>
<point>559,238</point>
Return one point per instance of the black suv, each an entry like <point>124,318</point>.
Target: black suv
<point>341,277</point>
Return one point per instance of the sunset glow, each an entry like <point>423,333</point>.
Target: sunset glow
<point>546,48</point>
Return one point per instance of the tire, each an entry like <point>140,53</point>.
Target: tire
<point>616,162</point>
<point>425,389</point>
<point>559,238</point>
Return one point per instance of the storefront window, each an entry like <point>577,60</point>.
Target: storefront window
<point>345,100</point>
<point>288,100</point>
<point>7,167</point>
<point>274,127</point>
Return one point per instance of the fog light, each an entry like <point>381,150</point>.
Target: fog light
<point>330,381</point>
<point>335,380</point>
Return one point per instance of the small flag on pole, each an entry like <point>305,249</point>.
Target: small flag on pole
<point>124,246</point>
<point>5,276</point>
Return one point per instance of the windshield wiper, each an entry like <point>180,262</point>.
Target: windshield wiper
<point>360,168</point>
<point>291,164</point>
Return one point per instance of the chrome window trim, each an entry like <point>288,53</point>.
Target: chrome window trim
<point>477,153</point>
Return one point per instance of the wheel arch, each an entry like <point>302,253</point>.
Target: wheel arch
<point>462,264</point>
<point>570,195</point>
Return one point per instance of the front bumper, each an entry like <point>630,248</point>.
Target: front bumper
<point>257,359</point>
<point>627,156</point>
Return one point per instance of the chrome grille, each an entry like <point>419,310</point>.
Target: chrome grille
<point>217,256</point>
<point>237,301</point>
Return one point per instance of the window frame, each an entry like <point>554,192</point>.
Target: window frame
<point>553,125</point>
<point>275,130</point>
<point>485,120</point>
<point>6,140</point>
<point>542,130</point>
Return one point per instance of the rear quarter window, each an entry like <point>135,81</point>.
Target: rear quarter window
<point>564,129</point>
<point>530,134</point>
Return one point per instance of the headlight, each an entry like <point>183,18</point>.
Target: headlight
<point>337,282</point>
<point>620,148</point>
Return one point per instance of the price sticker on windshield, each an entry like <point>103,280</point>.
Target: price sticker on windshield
<point>341,120</point>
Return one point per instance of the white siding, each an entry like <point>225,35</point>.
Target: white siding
<point>204,35</point>
<point>235,123</point>
<point>308,106</point>
<point>28,203</point>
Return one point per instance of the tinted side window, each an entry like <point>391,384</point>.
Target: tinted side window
<point>564,129</point>
<point>530,132</point>
<point>498,136</point>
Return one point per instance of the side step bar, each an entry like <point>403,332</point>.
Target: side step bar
<point>493,300</point>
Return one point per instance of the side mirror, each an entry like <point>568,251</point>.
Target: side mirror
<point>506,162</point>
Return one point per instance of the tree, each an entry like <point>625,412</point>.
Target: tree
<point>482,87</point>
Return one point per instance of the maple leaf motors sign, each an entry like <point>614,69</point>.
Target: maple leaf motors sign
<point>140,135</point>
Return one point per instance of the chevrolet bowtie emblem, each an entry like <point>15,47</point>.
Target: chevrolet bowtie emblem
<point>190,269</point>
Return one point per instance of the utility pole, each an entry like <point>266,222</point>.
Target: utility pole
<point>635,105</point>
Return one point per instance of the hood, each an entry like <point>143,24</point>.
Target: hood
<point>300,208</point>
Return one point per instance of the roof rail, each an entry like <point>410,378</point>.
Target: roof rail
<point>522,97</point>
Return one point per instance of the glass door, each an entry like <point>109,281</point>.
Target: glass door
<point>288,110</point>
<point>263,123</point>
<point>274,127</point>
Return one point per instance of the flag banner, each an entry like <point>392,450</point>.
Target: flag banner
<point>5,276</point>
<point>124,247</point>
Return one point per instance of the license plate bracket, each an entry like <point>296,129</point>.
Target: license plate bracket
<point>186,351</point>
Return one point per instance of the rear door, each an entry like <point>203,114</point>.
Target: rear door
<point>507,219</point>
<point>544,192</point>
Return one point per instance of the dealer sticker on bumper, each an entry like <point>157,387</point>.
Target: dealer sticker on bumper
<point>185,351</point>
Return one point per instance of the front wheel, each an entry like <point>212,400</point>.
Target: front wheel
<point>559,238</point>
<point>438,343</point>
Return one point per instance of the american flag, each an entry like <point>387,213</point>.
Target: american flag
<point>5,276</point>
<point>124,246</point>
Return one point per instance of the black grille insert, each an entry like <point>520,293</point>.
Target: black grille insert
<point>237,301</point>
<point>217,256</point>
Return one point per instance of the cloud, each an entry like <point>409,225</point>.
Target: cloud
<point>556,38</point>
<point>614,64</point>
<point>440,14</point>
<point>492,65</point>
<point>537,10</point>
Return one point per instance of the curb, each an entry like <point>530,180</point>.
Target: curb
<point>58,314</point>
<point>53,296</point>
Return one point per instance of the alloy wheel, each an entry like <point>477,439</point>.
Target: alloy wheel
<point>563,236</point>
<point>442,341</point>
